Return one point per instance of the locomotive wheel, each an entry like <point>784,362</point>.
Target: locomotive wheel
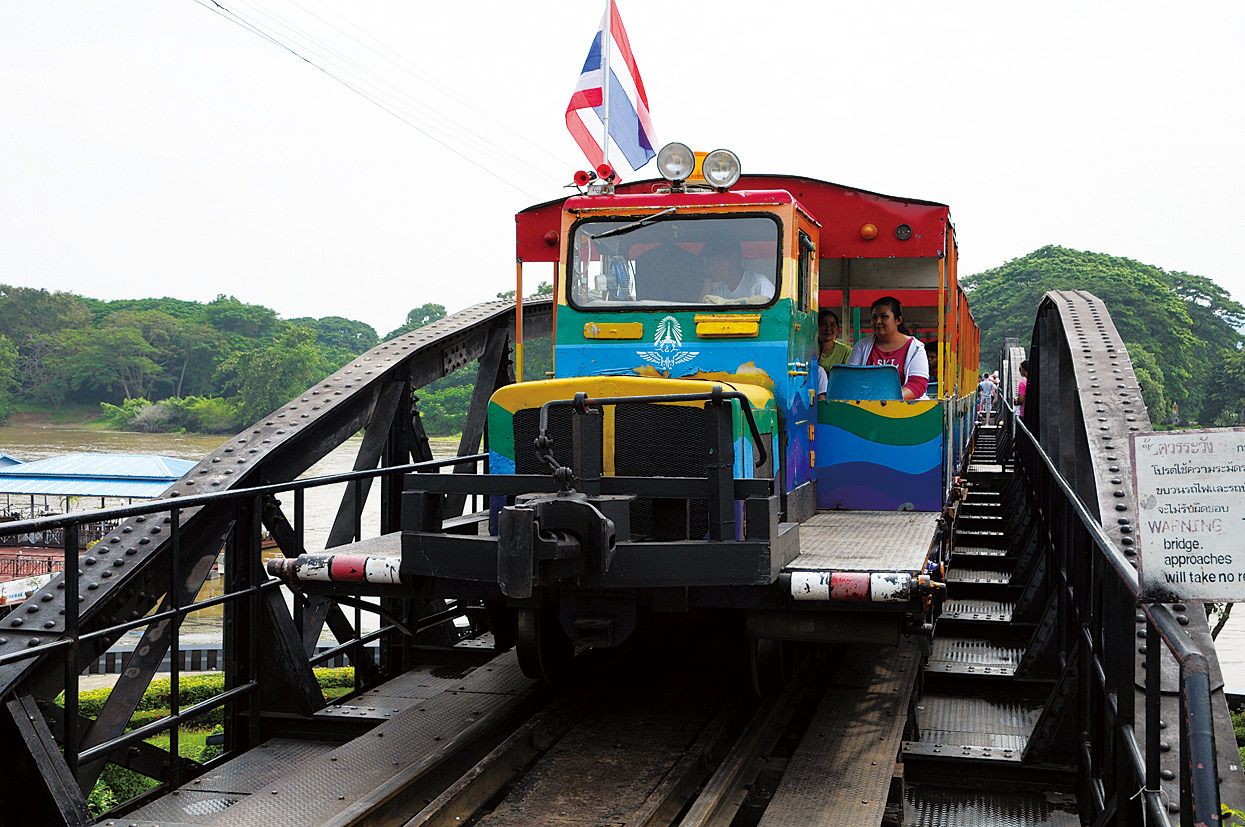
<point>770,665</point>
<point>545,652</point>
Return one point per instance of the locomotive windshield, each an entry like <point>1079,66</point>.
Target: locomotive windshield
<point>671,260</point>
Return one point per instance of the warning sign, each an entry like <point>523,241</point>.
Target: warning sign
<point>1190,489</point>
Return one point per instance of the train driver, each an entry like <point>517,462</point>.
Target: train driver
<point>892,344</point>
<point>726,280</point>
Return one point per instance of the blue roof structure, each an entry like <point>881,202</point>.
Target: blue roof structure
<point>137,476</point>
<point>6,461</point>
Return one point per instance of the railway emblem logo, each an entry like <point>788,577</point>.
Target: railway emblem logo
<point>668,346</point>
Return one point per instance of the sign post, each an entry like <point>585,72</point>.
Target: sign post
<point>1190,488</point>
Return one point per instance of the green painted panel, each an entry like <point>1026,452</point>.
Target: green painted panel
<point>775,322</point>
<point>500,430</point>
<point>899,430</point>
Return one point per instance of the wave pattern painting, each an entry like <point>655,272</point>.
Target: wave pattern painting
<point>879,456</point>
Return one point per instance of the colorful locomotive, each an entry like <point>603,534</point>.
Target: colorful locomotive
<point>677,458</point>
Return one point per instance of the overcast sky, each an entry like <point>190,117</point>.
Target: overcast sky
<point>154,147</point>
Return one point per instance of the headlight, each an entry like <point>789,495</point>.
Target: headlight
<point>721,168</point>
<point>675,162</point>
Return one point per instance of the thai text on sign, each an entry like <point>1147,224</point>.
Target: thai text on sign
<point>1190,489</point>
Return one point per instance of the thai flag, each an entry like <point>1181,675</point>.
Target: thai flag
<point>630,125</point>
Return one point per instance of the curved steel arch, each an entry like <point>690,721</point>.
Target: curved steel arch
<point>1083,401</point>
<point>126,574</point>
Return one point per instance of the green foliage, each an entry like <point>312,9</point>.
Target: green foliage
<point>418,317</point>
<point>444,411</point>
<point>108,363</point>
<point>8,376</point>
<point>1153,383</point>
<point>122,416</point>
<point>100,800</point>
<point>1180,328</point>
<point>336,333</point>
<point>269,375</point>
<point>211,751</point>
<point>249,321</point>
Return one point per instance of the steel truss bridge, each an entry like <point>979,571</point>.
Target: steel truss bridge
<point>1050,694</point>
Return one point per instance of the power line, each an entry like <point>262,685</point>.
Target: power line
<point>216,7</point>
<point>456,130</point>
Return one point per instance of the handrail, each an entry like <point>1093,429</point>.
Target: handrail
<point>1198,753</point>
<point>183,503</point>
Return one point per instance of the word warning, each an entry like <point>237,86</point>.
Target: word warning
<point>1190,489</point>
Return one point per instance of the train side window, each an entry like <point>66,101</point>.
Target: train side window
<point>805,277</point>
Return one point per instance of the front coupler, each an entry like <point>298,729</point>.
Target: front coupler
<point>563,538</point>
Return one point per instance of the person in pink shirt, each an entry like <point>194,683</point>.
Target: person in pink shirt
<point>1020,389</point>
<point>891,344</point>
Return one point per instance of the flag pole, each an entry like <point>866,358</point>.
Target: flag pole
<point>605,82</point>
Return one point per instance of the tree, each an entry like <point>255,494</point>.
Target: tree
<point>1152,308</point>
<point>8,376</point>
<point>337,333</point>
<point>250,321</point>
<point>100,363</point>
<point>268,375</point>
<point>418,317</point>
<point>30,318</point>
<point>545,288</point>
<point>1153,387</point>
<point>187,351</point>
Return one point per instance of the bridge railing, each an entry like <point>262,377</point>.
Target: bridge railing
<point>245,585</point>
<point>1099,596</point>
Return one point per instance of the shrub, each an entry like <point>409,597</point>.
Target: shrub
<point>211,751</point>
<point>123,415</point>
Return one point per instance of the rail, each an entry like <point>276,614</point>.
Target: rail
<point>1098,592</point>
<point>242,555</point>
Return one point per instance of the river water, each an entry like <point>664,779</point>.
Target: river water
<point>26,442</point>
<point>34,442</point>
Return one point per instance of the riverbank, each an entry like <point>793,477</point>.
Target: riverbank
<point>89,418</point>
<point>75,417</point>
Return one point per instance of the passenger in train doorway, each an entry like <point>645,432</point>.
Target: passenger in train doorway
<point>892,344</point>
<point>831,351</point>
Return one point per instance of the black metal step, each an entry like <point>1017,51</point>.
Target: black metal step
<point>977,610</point>
<point>932,805</point>
<point>980,537</point>
<point>963,553</point>
<point>974,656</point>
<point>978,575</point>
<point>993,727</point>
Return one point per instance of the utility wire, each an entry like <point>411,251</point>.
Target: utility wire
<point>216,7</point>
<point>398,60</point>
<point>400,98</point>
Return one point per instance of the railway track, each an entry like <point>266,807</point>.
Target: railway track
<point>657,736</point>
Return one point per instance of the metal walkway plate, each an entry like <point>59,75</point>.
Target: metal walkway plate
<point>212,793</point>
<point>866,541</point>
<point>325,783</point>
<point>974,656</point>
<point>928,806</point>
<point>841,772</point>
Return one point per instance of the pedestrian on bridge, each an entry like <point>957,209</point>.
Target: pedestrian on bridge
<point>985,398</point>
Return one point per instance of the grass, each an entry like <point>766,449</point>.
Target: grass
<point>190,742</point>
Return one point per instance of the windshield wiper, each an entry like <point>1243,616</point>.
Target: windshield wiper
<point>635,225</point>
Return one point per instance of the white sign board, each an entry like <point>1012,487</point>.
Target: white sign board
<point>1190,489</point>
